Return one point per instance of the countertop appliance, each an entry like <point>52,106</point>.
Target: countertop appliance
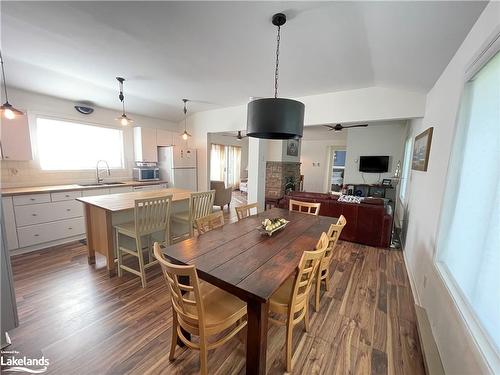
<point>178,166</point>
<point>146,172</point>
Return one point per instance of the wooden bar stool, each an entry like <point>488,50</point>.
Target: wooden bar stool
<point>200,204</point>
<point>151,215</point>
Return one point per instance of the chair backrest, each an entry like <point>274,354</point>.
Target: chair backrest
<point>304,207</point>
<point>217,185</point>
<point>185,295</point>
<point>201,204</point>
<point>152,214</point>
<point>306,271</point>
<point>207,223</point>
<point>245,211</point>
<point>334,233</point>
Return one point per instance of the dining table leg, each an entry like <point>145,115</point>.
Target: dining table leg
<point>257,337</point>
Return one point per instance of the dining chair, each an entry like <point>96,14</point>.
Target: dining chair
<point>200,204</point>
<point>204,311</point>
<point>292,298</point>
<point>304,207</point>
<point>207,223</point>
<point>333,235</point>
<point>246,210</point>
<point>151,216</point>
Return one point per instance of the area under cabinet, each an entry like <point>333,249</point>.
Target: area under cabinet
<point>41,220</point>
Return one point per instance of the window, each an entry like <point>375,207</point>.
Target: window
<point>225,164</point>
<point>64,145</point>
<point>405,173</point>
<point>469,241</point>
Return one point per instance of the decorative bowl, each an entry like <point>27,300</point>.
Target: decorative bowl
<point>270,226</point>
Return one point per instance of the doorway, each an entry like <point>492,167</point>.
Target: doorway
<point>225,164</point>
<point>337,163</point>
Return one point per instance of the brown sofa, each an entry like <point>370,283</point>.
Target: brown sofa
<point>368,222</point>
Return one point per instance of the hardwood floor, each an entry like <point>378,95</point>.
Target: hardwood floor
<point>86,323</point>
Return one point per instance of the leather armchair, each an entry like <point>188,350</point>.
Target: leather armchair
<point>222,194</point>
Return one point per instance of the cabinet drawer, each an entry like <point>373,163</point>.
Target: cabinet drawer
<point>146,188</point>
<point>45,212</point>
<point>20,200</point>
<point>92,192</point>
<point>65,195</point>
<point>40,233</point>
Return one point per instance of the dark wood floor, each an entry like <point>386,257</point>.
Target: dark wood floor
<point>86,323</point>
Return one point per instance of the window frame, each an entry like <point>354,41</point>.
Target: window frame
<point>78,122</point>
<point>477,334</point>
<point>403,192</point>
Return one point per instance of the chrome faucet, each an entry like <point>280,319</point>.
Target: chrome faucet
<point>98,172</point>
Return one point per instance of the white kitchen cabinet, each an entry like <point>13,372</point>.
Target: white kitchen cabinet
<point>21,200</point>
<point>164,137</point>
<point>146,188</point>
<point>45,212</point>
<point>41,233</point>
<point>94,192</point>
<point>121,189</point>
<point>145,144</point>
<point>15,139</point>
<point>65,195</point>
<point>10,223</point>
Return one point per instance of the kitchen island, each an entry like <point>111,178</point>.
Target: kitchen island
<point>102,212</point>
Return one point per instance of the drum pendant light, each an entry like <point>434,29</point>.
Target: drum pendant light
<point>185,135</point>
<point>275,118</point>
<point>124,119</point>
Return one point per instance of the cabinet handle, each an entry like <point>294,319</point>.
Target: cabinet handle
<point>36,235</point>
<point>67,196</point>
<point>32,199</point>
<point>70,228</point>
<point>68,209</point>
<point>33,214</point>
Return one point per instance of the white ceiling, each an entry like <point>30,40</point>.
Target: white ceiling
<point>221,53</point>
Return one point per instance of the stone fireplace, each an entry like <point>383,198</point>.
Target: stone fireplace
<point>277,175</point>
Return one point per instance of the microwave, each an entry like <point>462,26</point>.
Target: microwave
<point>146,174</point>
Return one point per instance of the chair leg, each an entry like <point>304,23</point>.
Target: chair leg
<point>203,359</point>
<point>318,289</point>
<point>150,250</point>
<point>289,332</point>
<point>306,318</point>
<point>173,343</point>
<point>327,280</point>
<point>119,254</point>
<point>141,262</point>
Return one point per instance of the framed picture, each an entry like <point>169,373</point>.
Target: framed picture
<point>292,147</point>
<point>421,150</point>
<point>386,182</point>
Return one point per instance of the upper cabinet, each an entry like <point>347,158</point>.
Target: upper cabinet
<point>15,139</point>
<point>145,144</point>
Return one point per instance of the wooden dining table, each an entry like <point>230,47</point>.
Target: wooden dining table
<point>241,260</point>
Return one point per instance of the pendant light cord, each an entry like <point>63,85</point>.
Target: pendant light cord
<point>185,115</point>
<point>4,81</point>
<point>276,72</point>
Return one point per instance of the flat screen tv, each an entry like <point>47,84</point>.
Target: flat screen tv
<point>374,164</point>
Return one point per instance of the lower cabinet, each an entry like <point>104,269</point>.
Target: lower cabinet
<point>36,221</point>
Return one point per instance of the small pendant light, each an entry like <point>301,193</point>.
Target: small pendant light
<point>124,119</point>
<point>185,135</point>
<point>7,109</point>
<point>275,118</point>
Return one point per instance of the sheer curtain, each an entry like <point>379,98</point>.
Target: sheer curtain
<point>469,244</point>
<point>225,164</point>
<point>217,162</point>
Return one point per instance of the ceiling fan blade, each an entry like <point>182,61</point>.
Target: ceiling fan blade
<point>356,126</point>
<point>330,127</point>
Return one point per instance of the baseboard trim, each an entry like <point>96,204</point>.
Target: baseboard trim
<point>432,359</point>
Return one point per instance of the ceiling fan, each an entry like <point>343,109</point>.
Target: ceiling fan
<point>339,127</point>
<point>239,137</point>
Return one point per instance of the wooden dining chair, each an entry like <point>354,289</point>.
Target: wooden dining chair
<point>333,235</point>
<point>304,207</point>
<point>151,216</point>
<point>207,223</point>
<point>246,210</point>
<point>292,298</point>
<point>204,311</point>
<point>200,204</point>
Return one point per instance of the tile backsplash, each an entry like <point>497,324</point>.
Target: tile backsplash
<point>28,173</point>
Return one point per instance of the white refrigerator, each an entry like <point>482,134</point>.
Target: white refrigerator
<point>178,167</point>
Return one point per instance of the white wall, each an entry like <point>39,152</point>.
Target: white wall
<point>369,104</point>
<point>276,151</point>
<point>459,352</point>
<point>314,152</point>
<point>29,173</point>
<point>374,140</point>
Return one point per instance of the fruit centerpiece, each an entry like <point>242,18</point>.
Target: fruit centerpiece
<point>269,226</point>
